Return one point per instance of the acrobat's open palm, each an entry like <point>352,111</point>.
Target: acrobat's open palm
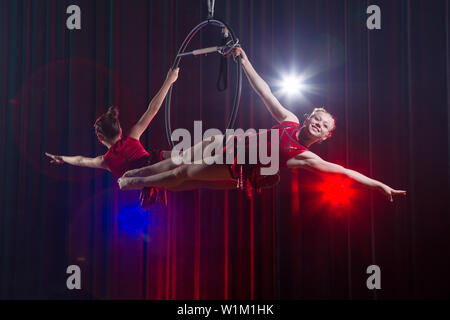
<point>390,193</point>
<point>55,159</point>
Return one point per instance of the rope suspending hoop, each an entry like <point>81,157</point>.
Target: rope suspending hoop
<point>224,50</point>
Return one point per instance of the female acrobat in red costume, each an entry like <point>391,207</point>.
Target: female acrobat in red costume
<point>125,151</point>
<point>294,143</point>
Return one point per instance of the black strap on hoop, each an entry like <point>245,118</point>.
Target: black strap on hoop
<point>222,79</point>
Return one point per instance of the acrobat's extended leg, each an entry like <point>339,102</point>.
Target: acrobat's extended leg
<point>175,177</point>
<point>162,166</point>
<point>167,164</point>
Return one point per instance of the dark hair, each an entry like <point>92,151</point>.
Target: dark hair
<point>107,125</point>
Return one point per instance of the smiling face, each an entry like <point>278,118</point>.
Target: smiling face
<point>319,125</point>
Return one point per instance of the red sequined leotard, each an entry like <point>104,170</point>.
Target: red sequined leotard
<point>248,175</point>
<point>128,154</point>
<point>289,144</point>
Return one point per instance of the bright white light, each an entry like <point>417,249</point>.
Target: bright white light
<point>291,85</point>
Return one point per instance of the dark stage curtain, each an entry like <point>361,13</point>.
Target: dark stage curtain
<point>388,88</point>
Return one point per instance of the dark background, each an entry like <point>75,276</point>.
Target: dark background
<point>388,88</point>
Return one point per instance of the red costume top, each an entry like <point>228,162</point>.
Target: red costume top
<point>248,175</point>
<point>289,144</point>
<point>128,154</point>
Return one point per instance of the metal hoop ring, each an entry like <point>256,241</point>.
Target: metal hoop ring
<point>237,94</point>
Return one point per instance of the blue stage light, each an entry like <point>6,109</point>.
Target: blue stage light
<point>133,219</point>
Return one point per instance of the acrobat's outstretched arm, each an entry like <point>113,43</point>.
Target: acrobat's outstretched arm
<point>261,87</point>
<point>310,161</point>
<point>138,129</point>
<point>98,162</point>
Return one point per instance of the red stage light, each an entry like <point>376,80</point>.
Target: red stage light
<point>336,191</point>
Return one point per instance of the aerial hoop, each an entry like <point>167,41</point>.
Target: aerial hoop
<point>224,50</point>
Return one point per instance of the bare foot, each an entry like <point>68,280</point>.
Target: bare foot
<point>129,183</point>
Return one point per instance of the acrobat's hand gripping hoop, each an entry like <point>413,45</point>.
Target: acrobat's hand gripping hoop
<point>224,50</point>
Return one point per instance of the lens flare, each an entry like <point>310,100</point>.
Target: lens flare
<point>336,191</point>
<point>292,85</point>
